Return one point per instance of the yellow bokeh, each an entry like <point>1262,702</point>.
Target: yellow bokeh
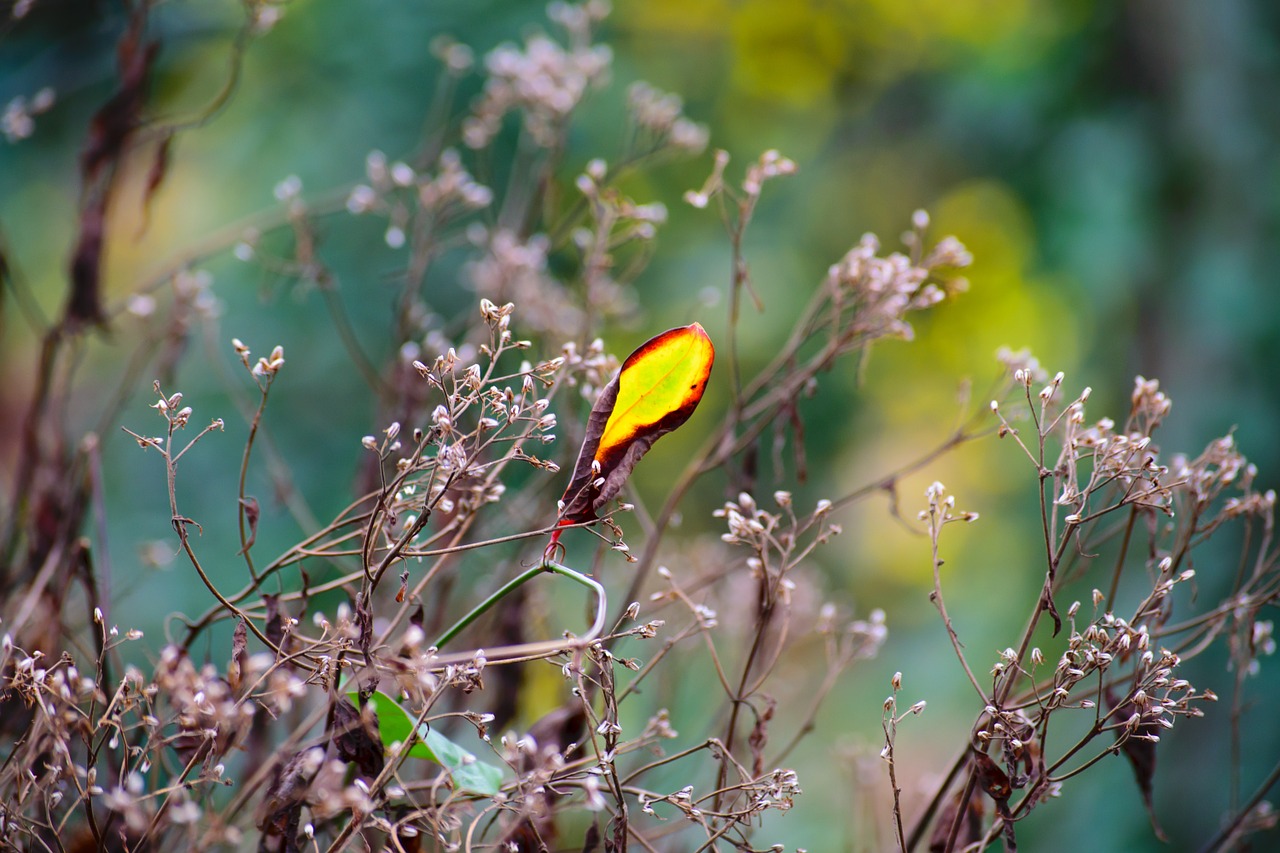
<point>910,396</point>
<point>803,52</point>
<point>787,52</point>
<point>674,17</point>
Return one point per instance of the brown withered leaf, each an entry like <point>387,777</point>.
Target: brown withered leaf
<point>591,841</point>
<point>355,737</point>
<point>239,640</point>
<point>654,392</point>
<point>523,837</point>
<point>280,812</point>
<point>616,840</point>
<point>117,119</point>
<point>364,622</point>
<point>991,778</point>
<point>1141,753</point>
<point>759,737</point>
<point>561,727</point>
<point>970,829</point>
<point>305,594</point>
<point>273,626</point>
<point>995,782</point>
<point>252,511</point>
<point>556,731</point>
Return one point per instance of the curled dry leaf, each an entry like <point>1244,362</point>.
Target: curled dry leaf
<point>656,390</point>
<point>279,815</point>
<point>274,625</point>
<point>239,642</point>
<point>970,829</point>
<point>995,781</point>
<point>252,511</point>
<point>1140,749</point>
<point>355,737</point>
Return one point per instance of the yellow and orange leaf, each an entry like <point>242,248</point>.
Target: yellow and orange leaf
<point>655,391</point>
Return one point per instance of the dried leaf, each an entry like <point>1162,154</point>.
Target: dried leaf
<point>239,640</point>
<point>759,737</point>
<point>1141,753</point>
<point>356,739</point>
<point>1047,605</point>
<point>591,842</point>
<point>117,119</point>
<point>970,829</point>
<point>305,594</point>
<point>558,729</point>
<point>364,623</point>
<point>995,781</point>
<point>991,777</point>
<point>655,391</point>
<point>252,512</point>
<point>274,622</point>
<point>279,813</point>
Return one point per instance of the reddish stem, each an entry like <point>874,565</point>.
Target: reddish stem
<point>554,545</point>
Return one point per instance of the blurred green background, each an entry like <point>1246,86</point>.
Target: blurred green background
<point>1111,166</point>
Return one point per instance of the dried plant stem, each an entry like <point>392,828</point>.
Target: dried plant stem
<point>739,697</point>
<point>809,721</point>
<point>890,725</point>
<point>938,602</point>
<point>243,509</point>
<point>1120,557</point>
<point>180,522</point>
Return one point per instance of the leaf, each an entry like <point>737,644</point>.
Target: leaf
<point>251,511</point>
<point>355,735</point>
<point>970,831</point>
<point>395,725</point>
<point>1140,749</point>
<point>991,778</point>
<point>469,773</point>
<point>274,625</point>
<point>239,641</point>
<point>280,812</point>
<point>655,391</point>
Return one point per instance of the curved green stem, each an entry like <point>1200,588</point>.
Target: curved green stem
<point>546,565</point>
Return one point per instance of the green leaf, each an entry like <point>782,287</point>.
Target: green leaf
<point>469,773</point>
<point>395,725</point>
